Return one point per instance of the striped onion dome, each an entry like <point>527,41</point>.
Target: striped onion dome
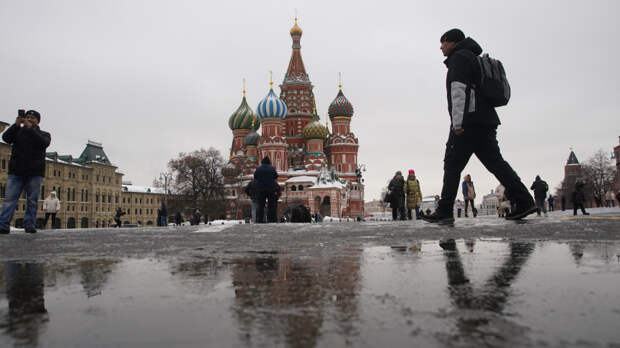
<point>252,138</point>
<point>340,106</point>
<point>230,170</point>
<point>242,118</point>
<point>271,107</point>
<point>315,130</point>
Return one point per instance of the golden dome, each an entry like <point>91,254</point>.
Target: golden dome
<point>296,30</point>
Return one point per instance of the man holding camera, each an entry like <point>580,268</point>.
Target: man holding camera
<point>26,168</point>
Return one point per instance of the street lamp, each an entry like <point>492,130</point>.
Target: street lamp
<point>358,173</point>
<point>166,178</point>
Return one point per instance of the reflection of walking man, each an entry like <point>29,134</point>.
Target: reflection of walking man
<point>473,130</point>
<point>26,168</point>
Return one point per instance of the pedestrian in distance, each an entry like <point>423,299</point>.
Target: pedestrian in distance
<point>414,195</point>
<point>540,189</point>
<point>503,205</point>
<point>163,219</point>
<point>473,128</point>
<point>117,216</point>
<point>551,202</point>
<point>579,198</point>
<point>26,168</point>
<point>459,207</point>
<point>610,199</point>
<point>469,193</point>
<point>51,206</point>
<point>178,218</point>
<point>250,190</point>
<point>396,187</point>
<point>563,202</point>
<point>158,216</point>
<point>267,191</point>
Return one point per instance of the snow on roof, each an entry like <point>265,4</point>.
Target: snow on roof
<point>333,184</point>
<point>302,178</point>
<point>63,162</point>
<point>142,189</point>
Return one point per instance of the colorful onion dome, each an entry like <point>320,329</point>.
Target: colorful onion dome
<point>296,30</point>
<point>252,138</point>
<point>340,106</point>
<point>243,117</point>
<point>230,170</point>
<point>271,107</point>
<point>315,130</point>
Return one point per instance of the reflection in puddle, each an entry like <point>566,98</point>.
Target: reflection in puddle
<point>470,292</point>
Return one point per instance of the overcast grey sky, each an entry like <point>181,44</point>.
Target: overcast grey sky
<point>150,79</point>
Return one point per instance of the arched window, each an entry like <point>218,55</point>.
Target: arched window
<point>301,187</point>
<point>293,188</point>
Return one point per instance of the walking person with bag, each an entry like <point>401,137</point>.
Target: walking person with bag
<point>414,195</point>
<point>472,95</point>
<point>397,196</point>
<point>469,193</point>
<point>51,206</point>
<point>267,190</point>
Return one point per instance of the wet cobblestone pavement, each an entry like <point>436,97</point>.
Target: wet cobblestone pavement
<point>546,282</point>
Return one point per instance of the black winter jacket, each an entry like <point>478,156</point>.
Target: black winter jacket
<point>466,106</point>
<point>28,150</point>
<point>250,190</point>
<point>265,176</point>
<point>540,188</point>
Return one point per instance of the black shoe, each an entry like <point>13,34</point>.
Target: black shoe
<point>586,213</point>
<point>520,213</point>
<point>448,244</point>
<point>31,230</point>
<point>439,218</point>
<point>5,231</point>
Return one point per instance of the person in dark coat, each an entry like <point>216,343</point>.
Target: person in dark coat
<point>26,168</point>
<point>178,219</point>
<point>563,202</point>
<point>579,198</point>
<point>163,212</point>
<point>117,216</point>
<point>540,189</point>
<point>551,201</point>
<point>251,191</point>
<point>473,130</point>
<point>267,189</point>
<point>397,196</point>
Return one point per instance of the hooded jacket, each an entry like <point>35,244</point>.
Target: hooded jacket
<point>27,151</point>
<point>265,176</point>
<point>465,105</point>
<point>51,204</point>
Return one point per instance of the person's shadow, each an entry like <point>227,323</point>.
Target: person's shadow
<point>24,291</point>
<point>480,309</point>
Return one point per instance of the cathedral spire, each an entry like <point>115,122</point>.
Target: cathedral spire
<point>296,71</point>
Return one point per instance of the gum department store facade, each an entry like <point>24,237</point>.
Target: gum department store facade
<point>89,189</point>
<point>316,167</point>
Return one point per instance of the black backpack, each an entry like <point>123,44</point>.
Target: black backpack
<point>494,86</point>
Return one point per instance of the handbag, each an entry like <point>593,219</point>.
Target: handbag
<point>388,197</point>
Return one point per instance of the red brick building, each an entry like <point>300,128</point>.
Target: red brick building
<point>316,167</point>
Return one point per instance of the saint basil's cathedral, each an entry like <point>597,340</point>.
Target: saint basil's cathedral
<point>316,167</point>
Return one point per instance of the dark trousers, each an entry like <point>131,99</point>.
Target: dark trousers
<point>482,142</point>
<point>551,206</point>
<point>47,216</point>
<point>469,201</point>
<point>417,213</point>
<point>398,208</point>
<point>269,197</point>
<point>578,205</point>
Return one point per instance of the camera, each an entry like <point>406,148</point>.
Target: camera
<point>21,113</point>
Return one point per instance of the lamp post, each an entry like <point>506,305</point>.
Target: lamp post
<point>165,177</point>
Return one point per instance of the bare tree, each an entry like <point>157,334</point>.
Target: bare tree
<point>599,172</point>
<point>197,178</point>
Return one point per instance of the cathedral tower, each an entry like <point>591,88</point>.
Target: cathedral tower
<point>272,111</point>
<point>342,145</point>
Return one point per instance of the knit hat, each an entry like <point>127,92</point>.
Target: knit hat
<point>411,171</point>
<point>452,35</point>
<point>34,113</point>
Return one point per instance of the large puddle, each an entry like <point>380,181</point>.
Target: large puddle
<point>476,293</point>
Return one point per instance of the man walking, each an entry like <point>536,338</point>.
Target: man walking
<point>267,191</point>
<point>26,168</point>
<point>540,189</point>
<point>473,130</point>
